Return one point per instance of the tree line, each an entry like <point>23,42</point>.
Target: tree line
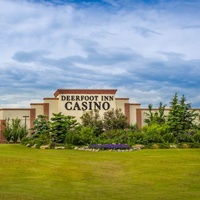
<point>180,125</point>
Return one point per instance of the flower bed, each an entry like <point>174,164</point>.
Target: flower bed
<point>109,146</point>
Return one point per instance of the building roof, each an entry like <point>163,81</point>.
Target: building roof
<point>84,91</point>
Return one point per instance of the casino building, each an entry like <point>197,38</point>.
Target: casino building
<point>74,102</point>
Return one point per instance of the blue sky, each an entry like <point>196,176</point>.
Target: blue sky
<point>147,49</point>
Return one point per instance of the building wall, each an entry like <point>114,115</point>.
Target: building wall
<point>75,102</point>
<point>13,113</point>
<point>53,106</point>
<point>39,108</point>
<point>1,113</point>
<point>120,103</point>
<point>133,113</point>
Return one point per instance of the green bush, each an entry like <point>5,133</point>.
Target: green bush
<point>69,146</point>
<point>74,138</point>
<point>169,137</point>
<point>28,142</point>
<point>196,137</point>
<point>138,138</point>
<point>195,145</point>
<point>159,129</point>
<point>184,137</point>
<point>43,139</point>
<point>52,145</point>
<point>165,145</point>
<point>154,138</point>
<point>184,145</point>
<point>118,136</point>
<point>25,140</point>
<point>81,136</point>
<point>87,135</point>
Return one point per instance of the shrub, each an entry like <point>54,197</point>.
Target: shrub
<point>43,139</point>
<point>25,140</point>
<point>159,129</point>
<point>169,137</point>
<point>138,137</point>
<point>87,135</point>
<point>155,132</point>
<point>69,146</point>
<point>81,136</point>
<point>154,138</point>
<point>196,137</point>
<point>165,145</point>
<point>73,137</point>
<point>184,145</point>
<point>183,137</point>
<point>52,145</point>
<point>156,146</point>
<point>195,145</point>
<point>114,136</point>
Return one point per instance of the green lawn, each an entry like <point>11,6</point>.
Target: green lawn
<point>155,174</point>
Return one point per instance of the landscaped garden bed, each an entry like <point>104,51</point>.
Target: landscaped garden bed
<point>110,146</point>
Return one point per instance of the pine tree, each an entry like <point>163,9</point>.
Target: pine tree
<point>181,118</point>
<point>61,125</point>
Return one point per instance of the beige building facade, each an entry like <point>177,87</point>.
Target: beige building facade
<point>75,102</point>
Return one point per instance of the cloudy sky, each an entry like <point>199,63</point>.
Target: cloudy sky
<point>147,49</point>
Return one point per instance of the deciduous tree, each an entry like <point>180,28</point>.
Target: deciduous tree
<point>156,117</point>
<point>114,119</point>
<point>14,131</point>
<point>93,120</point>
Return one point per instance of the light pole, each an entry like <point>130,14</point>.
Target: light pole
<point>25,116</point>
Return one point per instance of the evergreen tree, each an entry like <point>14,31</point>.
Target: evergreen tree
<point>181,118</point>
<point>61,125</point>
<point>41,126</point>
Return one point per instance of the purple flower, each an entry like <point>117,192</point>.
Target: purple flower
<point>109,146</point>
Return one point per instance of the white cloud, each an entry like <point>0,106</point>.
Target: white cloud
<point>147,52</point>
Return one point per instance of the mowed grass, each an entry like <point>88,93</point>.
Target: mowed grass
<point>28,174</point>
